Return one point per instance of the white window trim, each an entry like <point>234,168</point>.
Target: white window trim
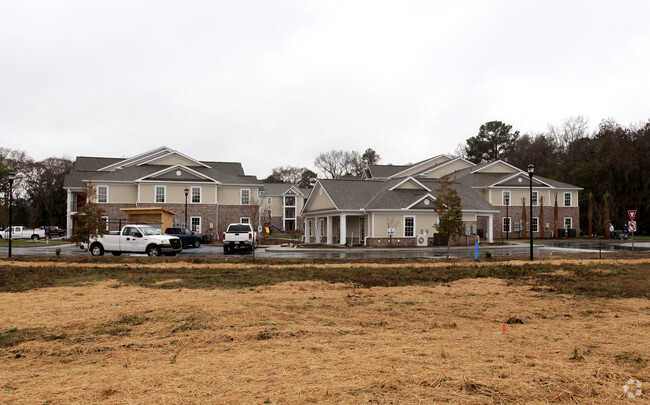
<point>269,213</point>
<point>503,224</point>
<point>269,200</point>
<point>155,194</point>
<point>404,226</point>
<point>536,193</point>
<point>105,218</point>
<point>570,222</point>
<point>536,222</point>
<point>503,197</point>
<point>241,196</point>
<point>200,194</point>
<point>200,224</point>
<point>294,200</point>
<point>570,199</point>
<point>107,200</point>
<point>241,220</point>
<point>322,227</point>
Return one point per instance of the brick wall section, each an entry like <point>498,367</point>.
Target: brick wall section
<point>207,212</point>
<point>515,214</point>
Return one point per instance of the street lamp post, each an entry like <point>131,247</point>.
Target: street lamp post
<point>186,192</point>
<point>11,176</point>
<point>531,169</point>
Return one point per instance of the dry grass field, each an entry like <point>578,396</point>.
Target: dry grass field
<point>109,340</point>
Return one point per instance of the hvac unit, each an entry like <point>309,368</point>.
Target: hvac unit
<point>422,240</point>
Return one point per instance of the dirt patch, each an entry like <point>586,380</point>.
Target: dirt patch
<point>315,342</point>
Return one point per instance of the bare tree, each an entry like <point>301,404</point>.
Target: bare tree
<point>338,163</point>
<point>391,223</point>
<point>572,129</point>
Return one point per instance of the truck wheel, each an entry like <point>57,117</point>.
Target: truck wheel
<point>97,249</point>
<point>197,243</point>
<point>35,237</point>
<point>153,250</point>
<point>225,249</point>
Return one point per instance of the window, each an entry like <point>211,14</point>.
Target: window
<point>310,225</point>
<point>196,195</point>
<point>289,201</point>
<point>105,219</point>
<point>102,194</point>
<point>322,227</point>
<point>534,199</point>
<point>409,226</point>
<point>568,223</point>
<point>567,199</point>
<point>244,220</point>
<point>535,224</point>
<point>245,195</point>
<point>160,194</point>
<point>506,224</point>
<point>505,199</point>
<point>269,200</point>
<point>269,213</point>
<point>290,213</point>
<point>195,224</point>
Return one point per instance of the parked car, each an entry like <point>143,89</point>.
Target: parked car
<point>136,239</point>
<point>20,232</point>
<point>56,231</point>
<point>239,236</point>
<point>188,237</point>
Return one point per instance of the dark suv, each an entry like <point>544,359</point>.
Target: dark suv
<point>188,238</point>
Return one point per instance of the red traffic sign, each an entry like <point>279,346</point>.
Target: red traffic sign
<point>632,214</point>
<point>632,226</point>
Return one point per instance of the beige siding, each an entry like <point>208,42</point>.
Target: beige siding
<point>173,160</point>
<point>424,167</point>
<point>423,222</point>
<point>409,185</point>
<point>231,195</point>
<point>122,194</point>
<point>320,200</point>
<point>447,169</point>
<point>498,168</point>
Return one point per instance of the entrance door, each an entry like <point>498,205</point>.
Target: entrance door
<point>362,230</point>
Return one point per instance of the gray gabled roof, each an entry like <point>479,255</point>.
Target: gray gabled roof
<point>385,171</point>
<point>377,195</point>
<point>85,168</point>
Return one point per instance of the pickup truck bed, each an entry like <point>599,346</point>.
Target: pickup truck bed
<point>239,236</point>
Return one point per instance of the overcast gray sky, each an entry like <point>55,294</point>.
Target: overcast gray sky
<point>271,83</point>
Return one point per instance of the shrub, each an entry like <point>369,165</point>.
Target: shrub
<point>488,254</point>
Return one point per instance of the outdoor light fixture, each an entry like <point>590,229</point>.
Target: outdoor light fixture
<point>531,169</point>
<point>186,192</point>
<point>11,176</point>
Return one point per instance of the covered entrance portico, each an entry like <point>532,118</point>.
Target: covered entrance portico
<point>346,229</point>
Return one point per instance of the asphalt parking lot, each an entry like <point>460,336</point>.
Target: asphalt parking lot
<point>508,249</point>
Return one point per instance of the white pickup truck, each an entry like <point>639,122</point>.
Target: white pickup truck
<point>136,239</point>
<point>20,232</point>
<point>239,236</point>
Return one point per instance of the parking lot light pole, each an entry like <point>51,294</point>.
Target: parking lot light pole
<point>11,176</point>
<point>186,192</point>
<point>531,169</point>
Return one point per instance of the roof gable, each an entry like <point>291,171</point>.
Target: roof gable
<point>319,199</point>
<point>423,203</point>
<point>159,156</point>
<point>178,173</point>
<point>520,180</point>
<point>498,166</point>
<point>409,183</point>
<point>447,168</point>
<point>421,166</point>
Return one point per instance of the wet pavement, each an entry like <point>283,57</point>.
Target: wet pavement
<point>509,249</point>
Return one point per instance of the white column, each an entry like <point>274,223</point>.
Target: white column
<point>317,236</point>
<point>343,229</point>
<point>490,230</point>
<point>68,225</point>
<point>306,222</point>
<point>329,230</point>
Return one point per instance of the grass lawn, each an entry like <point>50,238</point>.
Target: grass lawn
<point>155,330</point>
<point>30,243</point>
